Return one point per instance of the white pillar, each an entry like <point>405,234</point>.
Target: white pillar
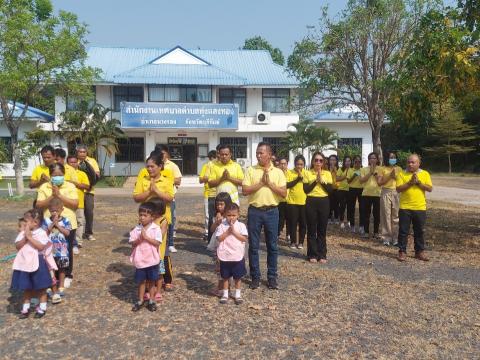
<point>213,140</point>
<point>149,142</point>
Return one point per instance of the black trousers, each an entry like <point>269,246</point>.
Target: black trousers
<point>354,195</point>
<point>296,216</point>
<point>70,241</point>
<point>88,211</point>
<point>211,215</point>
<point>282,216</point>
<point>317,210</point>
<point>334,204</point>
<point>368,203</point>
<point>417,218</point>
<point>342,203</point>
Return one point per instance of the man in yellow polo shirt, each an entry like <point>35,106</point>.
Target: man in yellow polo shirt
<point>412,184</point>
<point>208,192</point>
<point>41,174</point>
<point>70,173</point>
<point>226,175</point>
<point>265,186</point>
<point>83,160</point>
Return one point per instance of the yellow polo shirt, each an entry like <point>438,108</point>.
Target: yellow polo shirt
<point>296,195</point>
<point>311,176</point>
<point>205,172</point>
<point>68,190</point>
<point>371,188</point>
<point>96,168</point>
<point>170,165</point>
<point>82,178</point>
<point>38,171</point>
<point>264,196</point>
<point>413,198</point>
<point>164,183</point>
<point>235,171</point>
<point>343,185</point>
<point>356,184</point>
<point>386,171</point>
<point>284,200</point>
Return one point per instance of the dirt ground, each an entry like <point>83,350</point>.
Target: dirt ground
<point>362,304</point>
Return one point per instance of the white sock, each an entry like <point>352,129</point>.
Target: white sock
<point>225,293</point>
<point>43,306</point>
<point>237,293</point>
<point>25,307</point>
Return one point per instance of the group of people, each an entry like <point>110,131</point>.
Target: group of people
<point>307,198</point>
<point>54,229</point>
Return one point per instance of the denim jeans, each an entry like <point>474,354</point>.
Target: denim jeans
<point>211,215</point>
<point>171,227</point>
<point>417,219</point>
<point>268,219</point>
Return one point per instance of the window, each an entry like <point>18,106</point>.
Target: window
<point>6,145</point>
<point>126,93</point>
<point>130,149</point>
<point>238,146</point>
<point>171,93</point>
<point>74,103</point>
<point>277,146</point>
<point>276,100</point>
<point>356,142</point>
<point>234,96</point>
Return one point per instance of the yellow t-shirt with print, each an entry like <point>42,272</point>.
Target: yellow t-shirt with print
<point>164,183</point>
<point>386,171</point>
<point>311,176</point>
<point>264,196</point>
<point>68,190</point>
<point>296,195</point>
<point>235,171</point>
<point>82,178</point>
<point>413,198</point>
<point>343,185</point>
<point>371,188</point>
<point>205,172</point>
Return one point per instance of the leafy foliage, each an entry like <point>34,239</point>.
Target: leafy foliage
<point>308,135</point>
<point>259,43</point>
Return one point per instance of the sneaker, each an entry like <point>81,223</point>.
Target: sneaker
<point>342,226</point>
<point>76,250</point>
<point>386,242</point>
<point>68,282</point>
<point>300,246</point>
<point>336,221</point>
<point>223,300</point>
<point>394,243</point>
<point>56,299</point>
<point>172,249</point>
<point>402,256</point>
<point>238,300</point>
<point>255,284</point>
<point>137,306</point>
<point>272,284</point>
<point>288,238</point>
<point>61,292</point>
<point>292,246</point>
<point>49,293</point>
<point>91,238</point>
<point>174,234</point>
<point>39,313</point>
<point>354,229</point>
<point>152,306</point>
<point>361,230</point>
<point>24,314</point>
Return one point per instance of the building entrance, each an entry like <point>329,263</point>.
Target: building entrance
<point>183,152</point>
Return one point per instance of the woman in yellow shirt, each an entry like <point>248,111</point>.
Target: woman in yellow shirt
<point>342,176</point>
<point>333,196</point>
<point>296,203</point>
<point>371,195</point>
<point>355,188</point>
<point>317,183</point>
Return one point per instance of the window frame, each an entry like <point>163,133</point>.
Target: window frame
<point>276,90</point>
<point>235,145</point>
<point>276,145</point>
<point>128,96</point>
<point>140,155</point>
<point>232,97</point>
<point>183,91</point>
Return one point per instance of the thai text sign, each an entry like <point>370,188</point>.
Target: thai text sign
<point>178,115</point>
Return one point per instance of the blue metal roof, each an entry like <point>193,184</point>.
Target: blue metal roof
<point>347,113</point>
<point>31,114</point>
<point>225,67</point>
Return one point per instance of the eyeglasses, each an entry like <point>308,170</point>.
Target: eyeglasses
<point>318,160</point>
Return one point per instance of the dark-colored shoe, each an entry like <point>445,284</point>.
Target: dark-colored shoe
<point>137,306</point>
<point>255,284</point>
<point>420,255</point>
<point>238,301</point>
<point>402,256</point>
<point>152,306</point>
<point>272,284</point>
<point>39,314</point>
<point>24,315</point>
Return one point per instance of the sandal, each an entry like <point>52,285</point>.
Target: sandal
<point>24,314</point>
<point>158,297</point>
<point>168,287</point>
<point>152,306</point>
<point>312,261</point>
<point>323,261</point>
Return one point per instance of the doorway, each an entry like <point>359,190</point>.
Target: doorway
<point>183,152</point>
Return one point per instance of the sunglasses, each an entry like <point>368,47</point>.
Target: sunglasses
<point>318,160</point>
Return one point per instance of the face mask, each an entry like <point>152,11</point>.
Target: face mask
<point>392,161</point>
<point>57,180</point>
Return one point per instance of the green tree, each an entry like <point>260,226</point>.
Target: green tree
<point>450,133</point>
<point>92,126</point>
<point>349,61</point>
<point>309,136</point>
<point>259,43</point>
<point>38,50</point>
<point>323,139</point>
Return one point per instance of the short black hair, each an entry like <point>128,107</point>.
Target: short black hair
<point>267,145</point>
<point>223,197</point>
<point>55,202</point>
<point>47,148</point>
<point>159,148</point>
<point>148,207</point>
<point>35,214</point>
<point>60,153</point>
<point>212,154</point>
<point>160,206</point>
<point>224,146</point>
<point>54,166</point>
<point>232,206</point>
<point>72,157</point>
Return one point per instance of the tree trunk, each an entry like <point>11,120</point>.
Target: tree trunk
<point>377,142</point>
<point>449,164</point>
<point>17,165</point>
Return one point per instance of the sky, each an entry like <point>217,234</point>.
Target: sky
<point>206,24</point>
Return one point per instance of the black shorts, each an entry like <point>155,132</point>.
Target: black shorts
<point>62,262</point>
<point>235,269</point>
<point>148,273</point>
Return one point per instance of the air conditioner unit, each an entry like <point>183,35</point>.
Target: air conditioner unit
<point>244,163</point>
<point>263,117</point>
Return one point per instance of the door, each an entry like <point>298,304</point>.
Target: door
<point>189,159</point>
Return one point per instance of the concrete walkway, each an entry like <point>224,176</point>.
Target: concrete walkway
<point>454,195</point>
